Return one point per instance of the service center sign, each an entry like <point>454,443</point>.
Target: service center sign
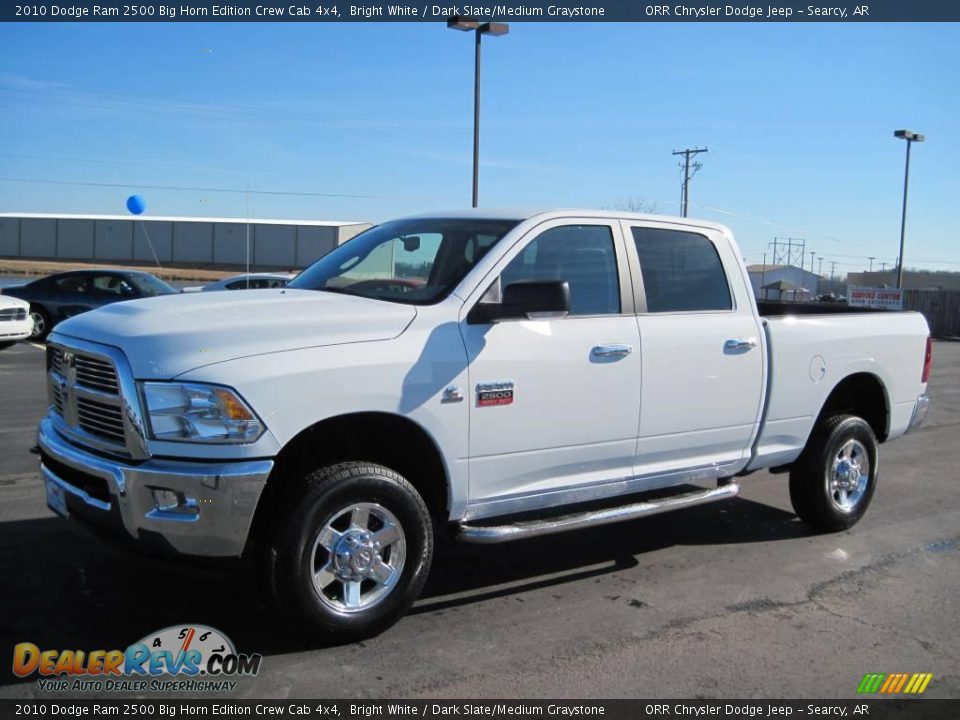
<point>879,298</point>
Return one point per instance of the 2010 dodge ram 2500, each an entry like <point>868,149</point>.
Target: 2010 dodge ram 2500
<point>498,375</point>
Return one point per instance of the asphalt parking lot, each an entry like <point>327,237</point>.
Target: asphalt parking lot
<point>731,600</point>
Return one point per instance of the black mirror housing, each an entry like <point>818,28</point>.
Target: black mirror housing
<point>526,300</point>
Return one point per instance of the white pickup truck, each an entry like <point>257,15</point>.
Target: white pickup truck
<point>491,375</point>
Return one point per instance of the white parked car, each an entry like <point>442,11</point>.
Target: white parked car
<point>253,281</point>
<point>491,375</point>
<point>15,321</point>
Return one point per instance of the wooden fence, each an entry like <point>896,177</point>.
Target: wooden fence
<point>940,307</point>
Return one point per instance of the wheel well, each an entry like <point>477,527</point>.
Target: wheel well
<point>863,395</point>
<point>382,438</point>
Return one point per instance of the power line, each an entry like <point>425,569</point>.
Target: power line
<point>186,188</point>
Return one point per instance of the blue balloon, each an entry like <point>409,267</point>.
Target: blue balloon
<point>136,204</point>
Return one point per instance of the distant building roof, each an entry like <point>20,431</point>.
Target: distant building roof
<point>184,218</point>
<point>761,268</point>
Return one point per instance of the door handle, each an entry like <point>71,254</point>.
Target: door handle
<point>606,351</point>
<point>736,344</point>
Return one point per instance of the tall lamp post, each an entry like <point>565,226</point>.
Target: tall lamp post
<point>460,22</point>
<point>911,137</point>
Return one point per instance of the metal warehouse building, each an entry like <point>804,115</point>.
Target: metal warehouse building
<point>761,275</point>
<point>195,241</point>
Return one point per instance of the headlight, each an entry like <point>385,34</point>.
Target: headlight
<point>199,413</point>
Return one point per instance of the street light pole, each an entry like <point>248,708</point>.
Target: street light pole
<point>476,118</point>
<point>459,22</point>
<point>911,137</point>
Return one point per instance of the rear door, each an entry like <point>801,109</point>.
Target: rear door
<point>702,351</point>
<point>555,401</point>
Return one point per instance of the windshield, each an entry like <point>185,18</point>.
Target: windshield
<point>149,286</point>
<point>411,261</point>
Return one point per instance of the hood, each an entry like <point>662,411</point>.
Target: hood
<point>166,336</point>
<point>9,301</point>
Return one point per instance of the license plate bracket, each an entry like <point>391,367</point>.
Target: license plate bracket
<point>57,499</point>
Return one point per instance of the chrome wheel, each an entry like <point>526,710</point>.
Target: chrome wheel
<point>358,556</point>
<point>39,324</point>
<point>848,476</point>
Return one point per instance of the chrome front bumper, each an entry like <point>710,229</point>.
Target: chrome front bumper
<point>212,515</point>
<point>920,411</point>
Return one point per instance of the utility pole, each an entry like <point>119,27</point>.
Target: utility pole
<point>820,267</point>
<point>685,191</point>
<point>883,265</point>
<point>871,259</point>
<point>833,270</point>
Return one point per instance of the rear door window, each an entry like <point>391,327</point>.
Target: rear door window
<point>681,271</point>
<point>73,284</point>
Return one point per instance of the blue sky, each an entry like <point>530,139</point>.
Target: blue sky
<point>798,119</point>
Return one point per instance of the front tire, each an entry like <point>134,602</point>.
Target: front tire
<point>833,481</point>
<point>41,324</point>
<point>352,550</point>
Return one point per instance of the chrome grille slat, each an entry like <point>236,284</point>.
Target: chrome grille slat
<point>97,412</point>
<point>10,314</point>
<point>100,426</point>
<point>111,420</point>
<point>96,384</point>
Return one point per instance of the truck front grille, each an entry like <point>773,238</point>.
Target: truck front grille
<point>10,314</point>
<point>84,391</point>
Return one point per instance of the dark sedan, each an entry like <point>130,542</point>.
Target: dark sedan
<point>58,297</point>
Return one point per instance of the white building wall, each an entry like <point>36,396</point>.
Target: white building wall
<point>794,275</point>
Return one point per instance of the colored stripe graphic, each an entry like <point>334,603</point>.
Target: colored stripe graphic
<point>894,683</point>
<point>870,683</point>
<point>890,681</point>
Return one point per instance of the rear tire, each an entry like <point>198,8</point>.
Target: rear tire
<point>351,551</point>
<point>833,481</point>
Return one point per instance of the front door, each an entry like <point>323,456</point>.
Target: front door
<point>555,401</point>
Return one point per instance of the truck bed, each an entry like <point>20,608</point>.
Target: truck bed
<point>812,347</point>
<point>773,308</point>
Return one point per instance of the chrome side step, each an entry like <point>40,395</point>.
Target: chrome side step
<point>488,534</point>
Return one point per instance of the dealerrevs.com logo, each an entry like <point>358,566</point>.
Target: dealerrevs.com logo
<point>184,658</point>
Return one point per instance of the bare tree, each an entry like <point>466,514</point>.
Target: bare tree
<point>634,203</point>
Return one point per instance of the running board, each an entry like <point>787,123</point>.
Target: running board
<point>488,534</point>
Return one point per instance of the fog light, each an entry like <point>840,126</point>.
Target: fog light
<point>170,502</point>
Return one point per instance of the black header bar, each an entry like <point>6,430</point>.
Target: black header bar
<point>499,10</point>
<point>868,708</point>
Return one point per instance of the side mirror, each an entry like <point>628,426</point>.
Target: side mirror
<point>526,300</point>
